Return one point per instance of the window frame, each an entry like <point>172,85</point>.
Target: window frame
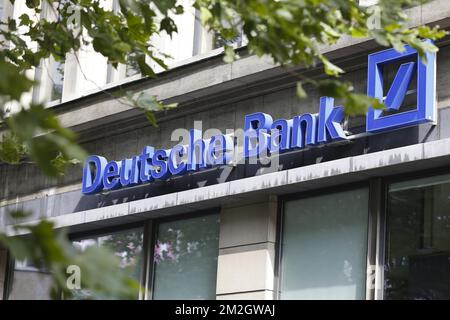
<point>9,276</point>
<point>42,93</point>
<point>278,274</point>
<point>376,234</point>
<point>107,230</point>
<point>378,188</point>
<point>382,237</point>
<point>149,285</point>
<point>150,235</point>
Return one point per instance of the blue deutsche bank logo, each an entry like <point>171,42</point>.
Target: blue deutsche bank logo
<point>264,135</point>
<point>425,110</point>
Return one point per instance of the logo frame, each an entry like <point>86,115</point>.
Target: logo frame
<point>426,89</point>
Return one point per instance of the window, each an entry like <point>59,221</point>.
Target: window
<point>127,245</point>
<point>183,265</point>
<point>185,258</point>
<point>122,71</point>
<point>203,38</point>
<point>324,246</point>
<point>417,263</point>
<point>56,75</point>
<point>50,74</point>
<point>29,282</point>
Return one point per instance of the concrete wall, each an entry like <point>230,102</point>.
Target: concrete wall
<point>219,95</point>
<point>247,242</point>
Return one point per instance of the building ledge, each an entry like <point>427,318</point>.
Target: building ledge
<point>412,158</point>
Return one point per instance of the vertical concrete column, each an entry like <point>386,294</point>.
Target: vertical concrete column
<point>2,270</point>
<point>247,251</point>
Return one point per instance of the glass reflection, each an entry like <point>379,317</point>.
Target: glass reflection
<point>324,247</point>
<point>418,240</point>
<point>126,245</point>
<point>185,257</point>
<point>56,74</point>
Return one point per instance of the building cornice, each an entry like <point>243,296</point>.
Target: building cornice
<point>336,172</point>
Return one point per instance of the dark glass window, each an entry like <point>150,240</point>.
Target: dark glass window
<point>417,262</point>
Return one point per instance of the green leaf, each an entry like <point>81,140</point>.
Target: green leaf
<point>331,69</point>
<point>52,251</point>
<point>61,162</point>
<point>25,20</point>
<point>45,138</point>
<point>149,104</point>
<point>334,88</point>
<point>358,104</point>
<point>168,25</point>
<point>13,83</point>
<point>230,54</point>
<point>205,15</point>
<point>393,27</point>
<point>431,33</point>
<point>32,3</point>
<point>301,93</point>
<point>11,149</point>
<point>329,30</point>
<point>144,67</point>
<point>151,118</point>
<point>358,32</point>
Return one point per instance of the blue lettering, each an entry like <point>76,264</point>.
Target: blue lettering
<point>111,178</point>
<point>92,185</point>
<point>196,151</point>
<point>176,165</point>
<point>256,127</point>
<point>129,172</point>
<point>280,135</point>
<point>160,170</point>
<point>145,164</point>
<point>304,130</point>
<point>219,150</point>
<point>330,117</point>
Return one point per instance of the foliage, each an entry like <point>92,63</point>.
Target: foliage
<point>292,32</point>
<point>123,36</point>
<point>46,140</point>
<point>51,251</point>
<point>149,105</point>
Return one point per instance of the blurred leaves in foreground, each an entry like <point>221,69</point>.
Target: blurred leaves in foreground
<point>291,32</point>
<point>50,250</point>
<point>38,131</point>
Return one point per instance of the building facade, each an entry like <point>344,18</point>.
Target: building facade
<point>364,217</point>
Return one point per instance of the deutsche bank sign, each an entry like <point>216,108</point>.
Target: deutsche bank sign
<point>426,89</point>
<point>264,135</point>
